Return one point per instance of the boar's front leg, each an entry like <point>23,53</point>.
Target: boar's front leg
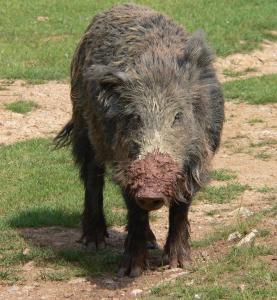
<point>135,252</point>
<point>177,247</point>
<point>92,174</point>
<point>94,225</point>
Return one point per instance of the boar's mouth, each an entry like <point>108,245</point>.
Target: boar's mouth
<point>156,177</point>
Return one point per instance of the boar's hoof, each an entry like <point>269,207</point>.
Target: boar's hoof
<point>177,256</point>
<point>94,240</point>
<point>132,265</point>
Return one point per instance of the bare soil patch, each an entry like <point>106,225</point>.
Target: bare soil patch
<point>256,63</point>
<point>54,110</point>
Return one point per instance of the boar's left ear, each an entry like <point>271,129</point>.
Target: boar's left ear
<point>105,75</point>
<point>196,51</point>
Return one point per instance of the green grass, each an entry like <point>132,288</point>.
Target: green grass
<point>241,274</point>
<point>264,143</point>
<point>34,49</point>
<point>232,73</point>
<point>262,155</point>
<point>255,121</point>
<point>243,226</point>
<point>41,187</point>
<point>257,90</point>
<point>221,194</point>
<point>21,107</point>
<point>223,175</point>
<point>265,189</point>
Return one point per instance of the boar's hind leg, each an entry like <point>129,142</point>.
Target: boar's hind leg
<point>177,247</point>
<point>135,252</point>
<point>93,223</point>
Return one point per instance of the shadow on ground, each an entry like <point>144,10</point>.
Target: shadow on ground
<point>99,267</point>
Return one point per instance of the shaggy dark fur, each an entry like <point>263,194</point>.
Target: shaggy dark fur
<point>141,85</point>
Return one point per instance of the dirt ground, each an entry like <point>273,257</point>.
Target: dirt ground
<point>239,152</point>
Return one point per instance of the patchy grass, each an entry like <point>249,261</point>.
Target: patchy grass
<point>41,187</point>
<point>262,155</point>
<point>232,73</point>
<point>22,107</point>
<point>39,42</point>
<point>266,142</point>
<point>3,88</point>
<point>223,175</point>
<point>237,273</point>
<point>241,274</point>
<point>255,121</point>
<point>221,194</point>
<point>265,189</point>
<point>244,226</point>
<point>212,212</point>
<point>250,70</point>
<point>256,90</point>
<point>34,81</point>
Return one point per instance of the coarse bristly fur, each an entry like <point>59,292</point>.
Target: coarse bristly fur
<point>139,84</point>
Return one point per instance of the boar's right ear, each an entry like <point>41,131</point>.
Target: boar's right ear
<point>105,75</point>
<point>196,52</point>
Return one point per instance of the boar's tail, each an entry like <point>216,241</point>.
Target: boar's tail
<point>64,136</point>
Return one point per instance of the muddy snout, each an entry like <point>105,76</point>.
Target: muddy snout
<point>151,201</point>
<point>153,180</point>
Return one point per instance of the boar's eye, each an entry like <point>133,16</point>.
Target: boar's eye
<point>178,119</point>
<point>134,149</point>
<point>132,122</point>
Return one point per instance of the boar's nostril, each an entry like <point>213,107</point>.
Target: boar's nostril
<point>150,203</point>
<point>157,202</point>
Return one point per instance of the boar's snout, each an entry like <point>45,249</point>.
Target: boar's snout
<point>150,201</point>
<point>152,180</point>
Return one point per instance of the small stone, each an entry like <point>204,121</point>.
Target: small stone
<point>274,222</point>
<point>242,211</point>
<point>234,237</point>
<point>13,288</point>
<point>26,251</point>
<point>42,18</point>
<point>242,287</point>
<point>77,280</point>
<point>68,295</point>
<point>197,296</point>
<point>109,281</point>
<point>249,239</point>
<point>136,292</point>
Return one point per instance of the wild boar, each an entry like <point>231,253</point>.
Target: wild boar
<point>147,102</point>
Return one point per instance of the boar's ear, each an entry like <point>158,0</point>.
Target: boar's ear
<point>196,52</point>
<point>105,75</point>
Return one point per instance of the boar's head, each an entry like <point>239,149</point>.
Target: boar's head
<point>156,114</point>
